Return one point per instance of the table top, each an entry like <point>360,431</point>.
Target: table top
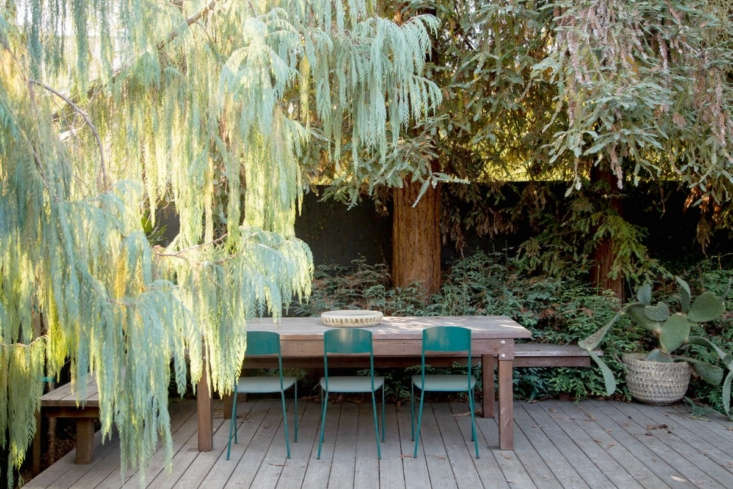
<point>397,327</point>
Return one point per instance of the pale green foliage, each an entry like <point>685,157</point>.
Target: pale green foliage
<point>20,394</point>
<point>108,108</point>
<point>646,83</point>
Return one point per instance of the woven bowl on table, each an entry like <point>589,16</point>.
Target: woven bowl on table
<point>351,319</point>
<point>656,382</point>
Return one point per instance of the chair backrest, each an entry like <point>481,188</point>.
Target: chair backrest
<point>263,343</point>
<point>348,341</point>
<point>446,339</point>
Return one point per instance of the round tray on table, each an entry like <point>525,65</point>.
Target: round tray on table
<point>357,318</point>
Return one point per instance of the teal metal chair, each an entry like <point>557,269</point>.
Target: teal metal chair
<point>265,343</point>
<point>443,339</point>
<point>350,341</point>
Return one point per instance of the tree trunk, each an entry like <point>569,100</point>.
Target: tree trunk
<point>603,255</point>
<point>416,238</point>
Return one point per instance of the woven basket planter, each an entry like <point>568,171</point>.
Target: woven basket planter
<point>656,382</point>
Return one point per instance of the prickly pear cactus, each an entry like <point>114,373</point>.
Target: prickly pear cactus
<point>672,330</point>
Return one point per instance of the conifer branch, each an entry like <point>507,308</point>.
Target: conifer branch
<point>190,20</point>
<point>102,167</point>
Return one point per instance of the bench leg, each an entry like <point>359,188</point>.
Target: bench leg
<point>51,439</point>
<point>37,445</point>
<point>84,440</point>
<point>488,366</point>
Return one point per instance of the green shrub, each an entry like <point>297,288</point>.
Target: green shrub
<point>555,310</point>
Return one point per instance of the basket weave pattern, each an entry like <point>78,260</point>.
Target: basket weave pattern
<point>351,318</point>
<point>656,382</point>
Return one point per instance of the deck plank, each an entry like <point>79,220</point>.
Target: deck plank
<point>460,455</point>
<point>487,467</point>
<point>183,428</point>
<point>439,468</point>
<point>415,468</point>
<point>604,439</point>
<point>681,445</point>
<point>366,468</point>
<point>250,416</point>
<point>391,472</point>
<point>202,464</point>
<point>691,433</point>
<point>688,468</point>
<point>106,461</point>
<point>610,468</point>
<point>710,429</point>
<point>301,452</point>
<point>671,473</point>
<point>318,471</point>
<point>559,445</point>
<point>515,474</point>
<point>344,456</point>
<point>537,469</point>
<point>250,463</point>
<point>275,459</point>
<point>541,434</point>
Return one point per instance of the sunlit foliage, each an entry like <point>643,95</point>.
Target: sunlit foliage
<point>107,109</point>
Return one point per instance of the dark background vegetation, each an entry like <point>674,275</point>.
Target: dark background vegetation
<point>492,218</point>
<point>488,269</point>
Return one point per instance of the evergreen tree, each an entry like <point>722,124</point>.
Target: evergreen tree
<point>109,108</point>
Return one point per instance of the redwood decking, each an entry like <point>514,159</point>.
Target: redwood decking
<point>558,445</point>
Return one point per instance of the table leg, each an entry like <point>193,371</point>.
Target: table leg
<point>488,366</point>
<point>84,440</point>
<point>226,404</point>
<point>506,406</point>
<point>205,415</point>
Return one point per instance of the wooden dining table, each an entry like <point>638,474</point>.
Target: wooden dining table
<point>396,340</point>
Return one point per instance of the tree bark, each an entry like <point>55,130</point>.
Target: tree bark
<point>416,238</point>
<point>603,255</point>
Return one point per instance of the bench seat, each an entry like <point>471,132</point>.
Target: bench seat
<point>61,403</point>
<point>535,355</point>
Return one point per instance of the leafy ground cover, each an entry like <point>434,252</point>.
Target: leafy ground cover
<point>557,309</point>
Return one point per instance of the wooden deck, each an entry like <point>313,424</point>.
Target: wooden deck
<point>590,445</point>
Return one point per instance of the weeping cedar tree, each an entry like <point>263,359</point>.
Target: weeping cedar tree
<point>567,90</point>
<point>108,108</point>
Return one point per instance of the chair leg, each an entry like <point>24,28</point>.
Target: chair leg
<point>285,423</point>
<point>419,422</point>
<point>234,410</point>
<point>474,433</point>
<point>295,412</point>
<point>382,414</point>
<point>324,404</point>
<point>412,411</point>
<point>232,424</point>
<point>376,425</point>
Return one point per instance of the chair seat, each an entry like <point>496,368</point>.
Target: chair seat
<point>351,383</point>
<point>263,385</point>
<point>443,383</point>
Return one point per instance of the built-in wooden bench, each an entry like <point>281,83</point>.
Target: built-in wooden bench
<point>537,355</point>
<point>525,355</point>
<point>61,403</point>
